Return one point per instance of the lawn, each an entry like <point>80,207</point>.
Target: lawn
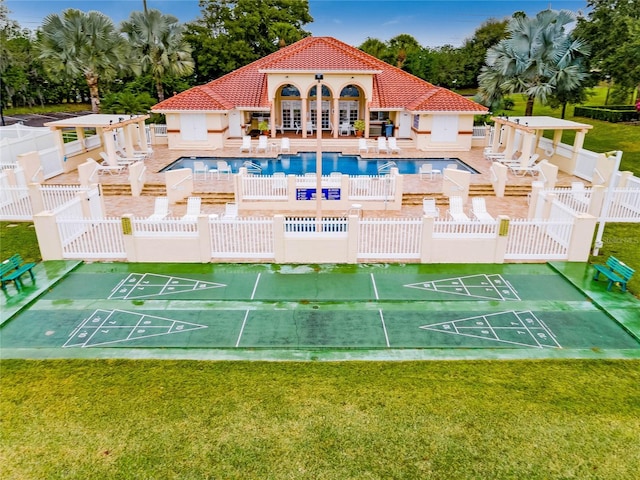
<point>438,420</point>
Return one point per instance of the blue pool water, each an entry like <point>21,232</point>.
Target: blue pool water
<point>305,162</point>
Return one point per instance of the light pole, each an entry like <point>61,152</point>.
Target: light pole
<point>319,78</point>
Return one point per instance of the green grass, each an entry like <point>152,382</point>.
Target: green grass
<point>621,241</point>
<point>53,108</point>
<point>437,420</point>
<point>603,137</point>
<point>19,237</point>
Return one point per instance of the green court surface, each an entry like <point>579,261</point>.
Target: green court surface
<point>233,311</point>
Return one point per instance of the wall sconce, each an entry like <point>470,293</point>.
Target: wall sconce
<point>319,76</point>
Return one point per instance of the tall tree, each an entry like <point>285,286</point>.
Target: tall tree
<point>233,33</point>
<point>375,47</point>
<point>86,44</point>
<point>157,42</point>
<point>400,47</point>
<point>537,59</point>
<point>612,28</point>
<point>472,54</point>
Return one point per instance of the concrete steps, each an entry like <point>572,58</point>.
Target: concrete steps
<point>475,190</point>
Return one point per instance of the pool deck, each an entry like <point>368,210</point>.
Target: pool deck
<point>515,207</point>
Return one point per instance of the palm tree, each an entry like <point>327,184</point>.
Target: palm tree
<point>157,41</point>
<point>80,43</point>
<point>538,59</point>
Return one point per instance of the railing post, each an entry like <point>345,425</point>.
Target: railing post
<point>502,238</point>
<point>353,238</point>
<point>500,182</point>
<point>48,236</point>
<point>128,239</point>
<point>204,238</point>
<point>536,188</point>
<point>426,239</point>
<point>278,238</point>
<point>597,200</point>
<point>35,194</point>
<point>548,203</point>
<point>584,226</point>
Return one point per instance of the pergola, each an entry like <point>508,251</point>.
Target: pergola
<point>531,129</point>
<point>105,125</point>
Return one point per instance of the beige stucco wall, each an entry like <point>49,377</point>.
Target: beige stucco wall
<point>217,125</point>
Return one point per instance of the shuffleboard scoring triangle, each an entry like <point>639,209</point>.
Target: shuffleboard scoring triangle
<point>107,327</point>
<point>146,285</point>
<point>515,328</point>
<point>488,287</point>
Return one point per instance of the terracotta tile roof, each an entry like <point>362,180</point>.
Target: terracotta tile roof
<point>246,87</point>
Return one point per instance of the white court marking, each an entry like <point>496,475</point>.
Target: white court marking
<point>105,327</point>
<point>515,328</point>
<point>145,285</point>
<point>489,287</point>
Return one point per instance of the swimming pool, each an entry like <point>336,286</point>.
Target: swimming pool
<point>305,162</point>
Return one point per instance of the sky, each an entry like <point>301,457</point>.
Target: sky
<point>432,23</point>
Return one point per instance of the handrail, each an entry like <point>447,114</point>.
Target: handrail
<point>602,179</point>
<point>445,177</point>
<point>494,176</point>
<point>175,186</point>
<point>140,177</point>
<point>387,166</point>
<point>40,169</point>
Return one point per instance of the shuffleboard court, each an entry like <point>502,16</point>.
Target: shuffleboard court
<point>130,307</point>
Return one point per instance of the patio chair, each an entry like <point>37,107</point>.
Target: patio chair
<point>427,169</point>
<point>160,210</point>
<point>393,145</point>
<point>310,127</point>
<point>429,207</point>
<point>223,167</point>
<point>456,210</point>
<point>262,144</point>
<point>479,210</point>
<point>285,145</point>
<point>193,209</point>
<point>362,145</point>
<point>230,210</point>
<point>382,145</point>
<point>345,128</point>
<point>200,168</point>
<point>246,144</point>
<point>297,126</point>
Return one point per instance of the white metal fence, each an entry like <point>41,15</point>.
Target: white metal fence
<point>537,239</point>
<point>245,237</point>
<point>90,239</point>
<point>388,238</point>
<point>310,224</point>
<point>624,206</point>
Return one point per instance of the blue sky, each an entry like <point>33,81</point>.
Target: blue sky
<point>432,23</point>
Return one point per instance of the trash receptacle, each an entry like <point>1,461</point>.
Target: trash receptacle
<point>388,130</point>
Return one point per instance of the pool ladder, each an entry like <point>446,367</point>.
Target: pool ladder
<point>386,167</point>
<point>252,167</point>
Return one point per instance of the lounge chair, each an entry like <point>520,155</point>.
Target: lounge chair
<point>119,160</point>
<point>246,144</point>
<point>429,207</point>
<point>427,169</point>
<point>193,209</point>
<point>362,145</point>
<point>382,145</point>
<point>530,168</point>
<point>456,210</point>
<point>479,210</point>
<point>393,145</point>
<point>285,145</point>
<point>102,168</point>
<point>161,209</point>
<point>262,144</point>
<point>223,167</point>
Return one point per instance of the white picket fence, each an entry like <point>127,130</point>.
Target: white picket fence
<point>624,206</point>
<point>537,239</point>
<point>88,239</point>
<point>242,237</point>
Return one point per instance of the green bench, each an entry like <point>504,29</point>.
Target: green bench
<point>615,271</point>
<point>12,269</point>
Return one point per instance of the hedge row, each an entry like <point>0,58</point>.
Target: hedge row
<point>613,114</point>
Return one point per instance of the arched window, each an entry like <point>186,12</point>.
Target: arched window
<point>289,91</point>
<point>325,91</point>
<point>350,91</point>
